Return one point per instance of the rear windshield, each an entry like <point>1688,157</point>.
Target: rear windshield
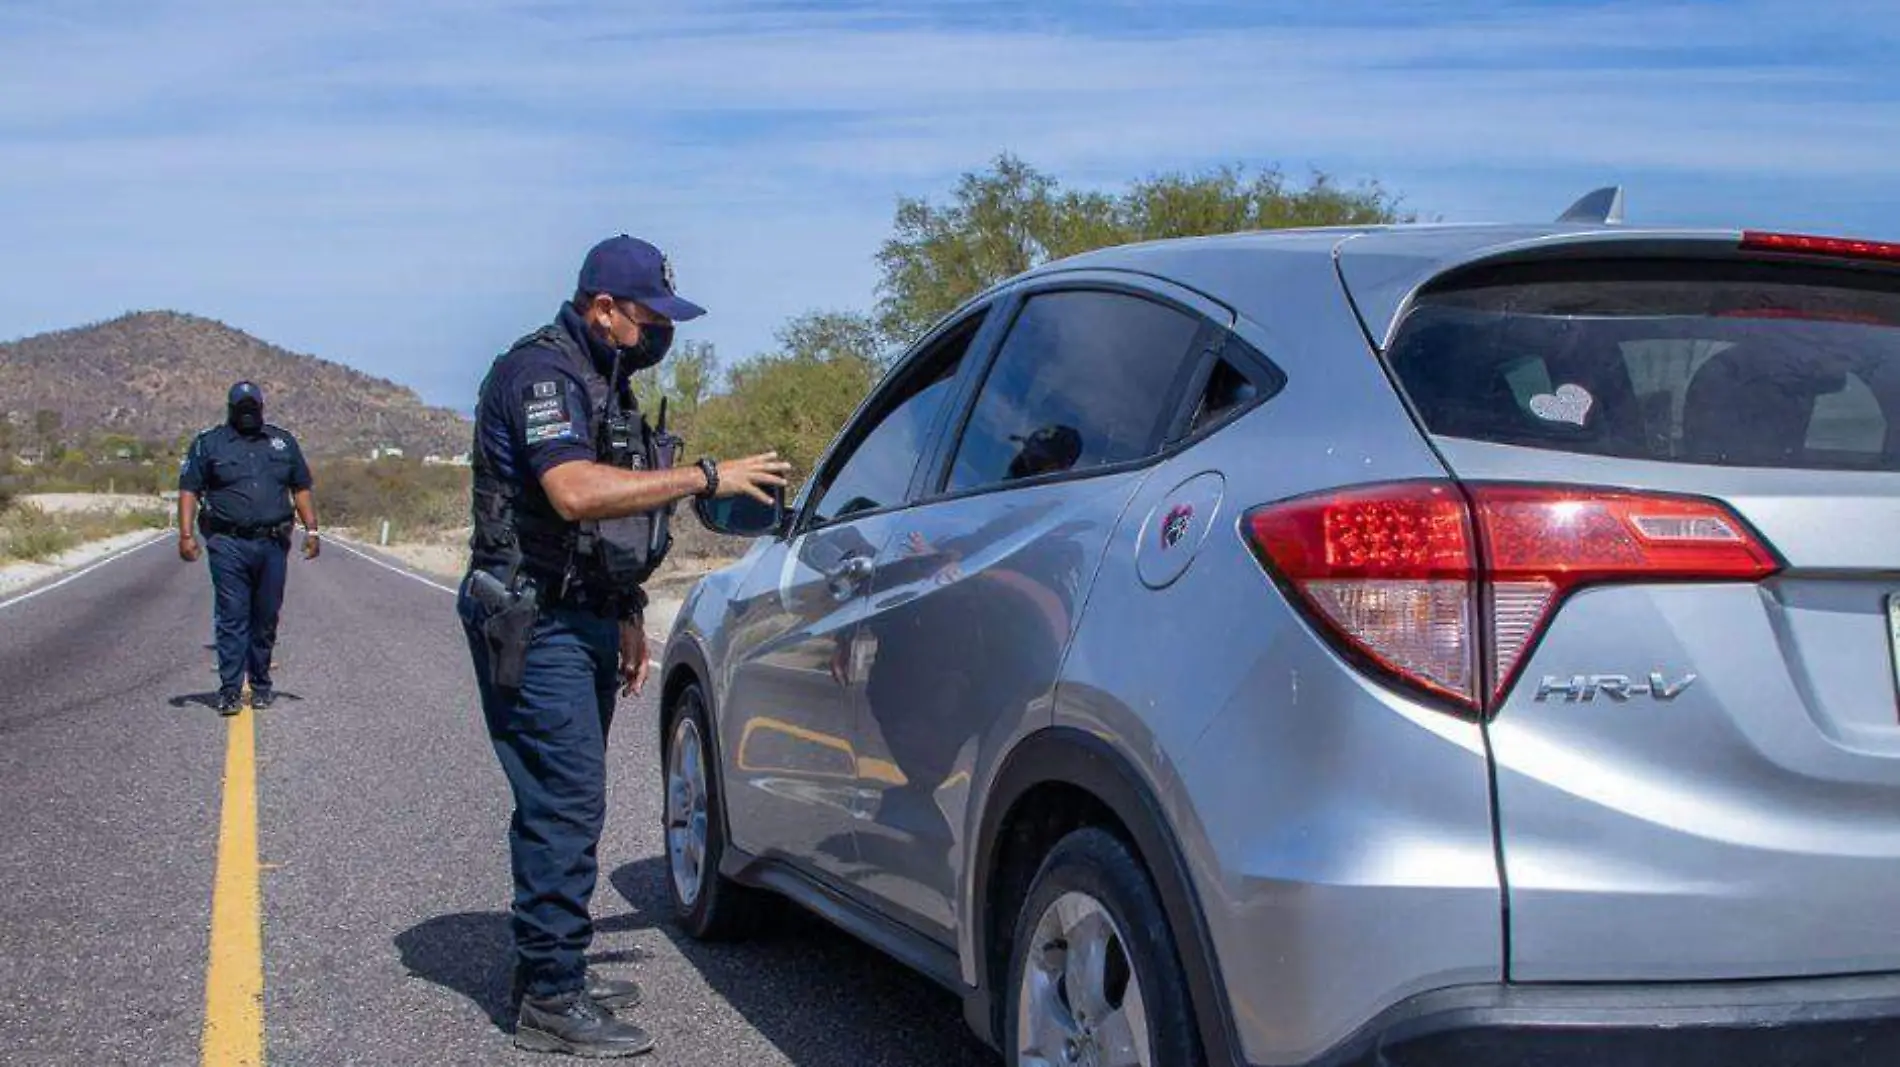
<point>1747,370</point>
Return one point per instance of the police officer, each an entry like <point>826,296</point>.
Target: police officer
<point>239,484</point>
<point>572,491</point>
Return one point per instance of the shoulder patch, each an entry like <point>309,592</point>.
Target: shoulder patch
<point>544,402</point>
<point>552,431</point>
<point>545,414</point>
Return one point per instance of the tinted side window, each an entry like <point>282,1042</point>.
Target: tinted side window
<point>1240,378</point>
<point>1084,379</point>
<point>878,470</point>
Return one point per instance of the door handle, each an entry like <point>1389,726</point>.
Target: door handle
<point>850,575</point>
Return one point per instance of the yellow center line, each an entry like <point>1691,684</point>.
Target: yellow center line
<point>234,976</point>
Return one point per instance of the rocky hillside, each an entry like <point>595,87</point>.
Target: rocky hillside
<point>158,375</point>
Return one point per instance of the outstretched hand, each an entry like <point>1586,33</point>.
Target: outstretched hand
<point>754,476</point>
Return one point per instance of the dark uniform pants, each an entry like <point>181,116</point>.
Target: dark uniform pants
<point>551,737</point>
<point>248,577</point>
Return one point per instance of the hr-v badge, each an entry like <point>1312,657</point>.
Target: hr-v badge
<point>1176,529</point>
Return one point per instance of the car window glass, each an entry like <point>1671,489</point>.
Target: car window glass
<point>878,471</point>
<point>1234,383</point>
<point>1084,379</point>
<point>1724,371</point>
<point>1849,421</point>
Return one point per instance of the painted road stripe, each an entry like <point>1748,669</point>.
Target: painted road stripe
<point>412,575</point>
<point>81,573</point>
<point>234,977</point>
<point>417,577</point>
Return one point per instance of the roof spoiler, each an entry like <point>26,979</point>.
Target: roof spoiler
<point>1602,206</point>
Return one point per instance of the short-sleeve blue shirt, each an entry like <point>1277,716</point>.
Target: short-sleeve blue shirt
<point>536,410</point>
<point>245,479</point>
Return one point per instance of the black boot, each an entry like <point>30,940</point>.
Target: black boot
<point>262,699</point>
<point>614,994</point>
<point>574,1024</point>
<point>229,702</point>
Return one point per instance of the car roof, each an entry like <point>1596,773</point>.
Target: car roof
<point>1380,266</point>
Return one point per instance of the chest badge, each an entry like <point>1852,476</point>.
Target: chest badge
<point>279,443</point>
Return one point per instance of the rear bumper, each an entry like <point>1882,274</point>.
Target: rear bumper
<point>1819,1022</point>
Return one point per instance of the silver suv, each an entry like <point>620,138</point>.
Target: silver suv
<point>1434,645</point>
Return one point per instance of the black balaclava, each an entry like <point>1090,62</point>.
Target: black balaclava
<point>244,409</point>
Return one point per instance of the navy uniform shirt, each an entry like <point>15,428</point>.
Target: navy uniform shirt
<point>245,480</point>
<point>537,410</point>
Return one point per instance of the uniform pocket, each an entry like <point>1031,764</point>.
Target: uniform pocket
<point>557,681</point>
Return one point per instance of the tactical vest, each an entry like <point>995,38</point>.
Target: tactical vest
<point>593,564</point>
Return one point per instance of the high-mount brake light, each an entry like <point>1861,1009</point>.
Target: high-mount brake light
<point>1807,245</point>
<point>1447,589</point>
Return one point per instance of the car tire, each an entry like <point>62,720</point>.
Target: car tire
<point>1093,880</point>
<point>706,904</point>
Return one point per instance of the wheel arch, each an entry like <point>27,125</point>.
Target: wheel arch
<point>1079,764</point>
<point>686,665</point>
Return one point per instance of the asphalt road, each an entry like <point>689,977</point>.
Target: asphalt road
<point>381,837</point>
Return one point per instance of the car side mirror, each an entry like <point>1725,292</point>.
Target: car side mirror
<point>742,516</point>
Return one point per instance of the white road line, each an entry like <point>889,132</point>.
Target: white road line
<point>82,572</point>
<point>406,573</point>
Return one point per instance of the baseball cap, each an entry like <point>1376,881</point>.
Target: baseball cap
<point>628,268</point>
<point>245,391</point>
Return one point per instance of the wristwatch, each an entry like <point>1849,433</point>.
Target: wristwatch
<point>710,468</point>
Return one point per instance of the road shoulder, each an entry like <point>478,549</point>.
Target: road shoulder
<point>23,577</point>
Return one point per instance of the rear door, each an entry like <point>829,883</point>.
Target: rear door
<point>980,588</point>
<point>1694,779</point>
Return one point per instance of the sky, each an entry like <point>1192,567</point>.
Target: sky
<point>408,186</point>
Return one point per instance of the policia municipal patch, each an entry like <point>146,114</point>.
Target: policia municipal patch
<point>544,413</point>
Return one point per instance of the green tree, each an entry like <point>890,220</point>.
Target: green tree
<point>1010,218</point>
<point>997,224</point>
<point>683,380</point>
<point>117,446</point>
<point>46,427</point>
<point>690,375</point>
<point>794,399</point>
<point>831,336</point>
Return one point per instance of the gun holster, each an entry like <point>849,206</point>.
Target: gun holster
<point>508,618</point>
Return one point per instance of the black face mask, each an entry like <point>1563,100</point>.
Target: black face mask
<point>653,346</point>
<point>246,418</point>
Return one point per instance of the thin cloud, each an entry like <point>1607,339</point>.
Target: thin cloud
<point>363,149</point>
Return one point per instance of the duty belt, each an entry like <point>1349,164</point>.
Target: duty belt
<point>269,532</point>
<point>580,597</point>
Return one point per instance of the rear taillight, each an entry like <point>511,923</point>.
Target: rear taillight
<point>1447,589</point>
